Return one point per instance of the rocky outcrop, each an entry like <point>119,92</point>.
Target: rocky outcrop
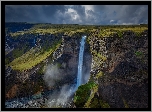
<point>99,53</point>
<point>125,69</point>
<point>127,72</point>
<point>67,57</point>
<point>117,66</point>
<point>69,45</point>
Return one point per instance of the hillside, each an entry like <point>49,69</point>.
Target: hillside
<point>120,70</point>
<point>115,66</point>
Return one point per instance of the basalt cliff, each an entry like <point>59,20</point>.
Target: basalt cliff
<point>114,72</point>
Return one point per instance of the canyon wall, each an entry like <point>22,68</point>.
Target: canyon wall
<point>120,68</point>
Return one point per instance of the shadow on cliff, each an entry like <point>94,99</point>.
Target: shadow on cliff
<point>126,82</point>
<point>61,76</point>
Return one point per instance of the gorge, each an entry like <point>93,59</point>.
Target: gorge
<point>77,71</point>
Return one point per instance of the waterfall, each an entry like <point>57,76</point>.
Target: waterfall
<point>80,63</point>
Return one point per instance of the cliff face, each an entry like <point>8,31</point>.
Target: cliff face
<point>29,82</point>
<point>67,57</point>
<point>126,80</point>
<point>120,68</point>
<point>117,70</point>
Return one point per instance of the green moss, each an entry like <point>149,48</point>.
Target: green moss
<point>97,56</point>
<point>83,95</point>
<point>93,91</point>
<point>120,33</point>
<point>100,74</point>
<point>91,78</point>
<point>98,103</point>
<point>95,103</point>
<point>104,104</point>
<point>33,57</point>
<point>105,33</point>
<point>125,103</point>
<point>58,65</point>
<point>78,30</point>
<point>41,70</point>
<point>138,53</point>
<point>7,60</point>
<point>138,34</point>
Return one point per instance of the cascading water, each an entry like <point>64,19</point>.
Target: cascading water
<point>64,98</point>
<point>80,63</point>
<point>59,98</point>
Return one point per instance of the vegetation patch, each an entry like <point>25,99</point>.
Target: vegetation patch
<point>104,104</point>
<point>83,95</point>
<point>33,57</point>
<point>125,103</point>
<point>138,53</point>
<point>94,89</point>
<point>100,74</point>
<point>95,103</point>
<point>71,29</point>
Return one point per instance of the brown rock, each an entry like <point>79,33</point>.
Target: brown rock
<point>12,92</point>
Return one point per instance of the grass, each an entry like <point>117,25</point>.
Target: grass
<point>100,74</point>
<point>95,103</point>
<point>104,31</point>
<point>138,53</point>
<point>108,32</point>
<point>82,96</point>
<point>94,89</point>
<point>98,55</point>
<point>104,104</point>
<point>125,103</point>
<point>101,57</point>
<point>31,58</point>
<point>83,93</point>
<point>98,58</point>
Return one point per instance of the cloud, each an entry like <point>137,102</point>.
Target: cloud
<point>111,21</point>
<point>77,14</point>
<point>32,13</point>
<point>129,14</point>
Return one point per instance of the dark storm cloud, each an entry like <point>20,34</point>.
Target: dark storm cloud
<point>79,9</point>
<point>78,14</point>
<point>32,13</point>
<point>128,14</point>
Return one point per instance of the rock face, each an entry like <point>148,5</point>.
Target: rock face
<point>123,61</point>
<point>32,78</point>
<point>29,81</point>
<point>125,79</point>
<point>67,57</point>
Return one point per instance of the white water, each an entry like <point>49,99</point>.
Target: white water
<point>63,97</point>
<point>80,63</point>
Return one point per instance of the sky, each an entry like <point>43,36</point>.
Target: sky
<point>78,14</point>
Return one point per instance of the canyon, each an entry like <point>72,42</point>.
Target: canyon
<point>114,73</point>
